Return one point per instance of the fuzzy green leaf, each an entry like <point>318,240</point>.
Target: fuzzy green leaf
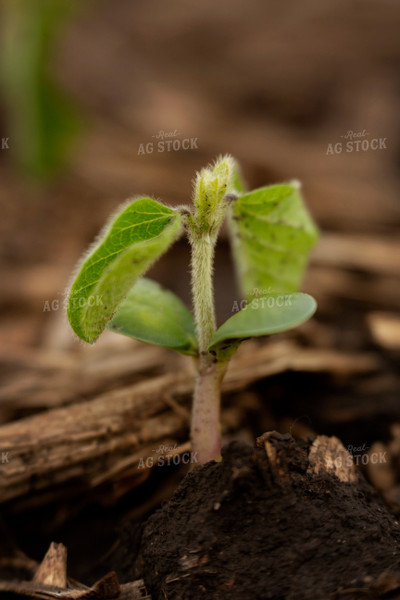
<point>151,314</point>
<point>263,316</point>
<point>139,234</point>
<point>272,235</point>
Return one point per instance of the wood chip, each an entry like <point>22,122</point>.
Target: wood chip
<point>107,588</point>
<point>327,454</point>
<point>385,329</point>
<point>53,569</point>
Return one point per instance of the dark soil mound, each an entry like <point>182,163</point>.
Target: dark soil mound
<point>282,520</point>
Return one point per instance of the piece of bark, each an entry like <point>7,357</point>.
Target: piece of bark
<point>136,590</point>
<point>44,380</point>
<point>91,442</point>
<point>107,588</point>
<point>94,441</point>
<point>49,379</point>
<point>328,456</point>
<point>53,568</point>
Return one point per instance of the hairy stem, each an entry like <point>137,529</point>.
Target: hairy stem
<point>210,189</point>
<point>202,287</point>
<point>205,426</point>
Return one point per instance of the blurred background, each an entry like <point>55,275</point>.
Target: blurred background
<point>306,91</point>
<point>86,86</point>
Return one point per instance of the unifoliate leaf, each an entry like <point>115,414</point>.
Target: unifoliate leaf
<point>263,316</point>
<point>138,235</point>
<point>151,314</point>
<point>272,235</point>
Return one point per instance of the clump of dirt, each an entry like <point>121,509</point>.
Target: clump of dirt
<point>266,523</point>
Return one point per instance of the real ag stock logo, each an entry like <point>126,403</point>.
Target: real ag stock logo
<point>356,141</point>
<point>168,141</point>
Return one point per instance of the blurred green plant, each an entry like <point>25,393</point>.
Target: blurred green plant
<point>42,121</point>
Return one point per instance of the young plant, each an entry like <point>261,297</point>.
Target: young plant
<point>272,234</point>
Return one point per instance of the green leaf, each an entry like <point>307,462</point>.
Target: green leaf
<point>139,234</point>
<point>151,314</point>
<point>238,184</point>
<point>272,235</point>
<point>263,316</point>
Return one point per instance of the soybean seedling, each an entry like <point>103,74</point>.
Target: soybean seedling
<point>272,234</point>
